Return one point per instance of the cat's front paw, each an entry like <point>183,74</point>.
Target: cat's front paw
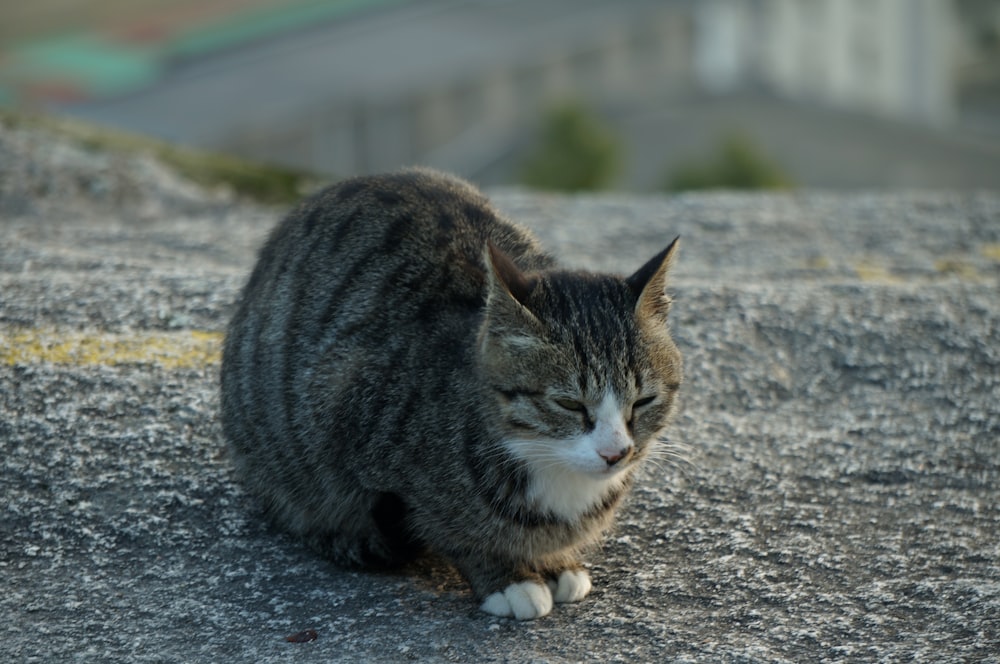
<point>571,586</point>
<point>524,600</point>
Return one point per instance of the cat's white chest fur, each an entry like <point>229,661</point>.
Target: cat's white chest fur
<point>568,494</point>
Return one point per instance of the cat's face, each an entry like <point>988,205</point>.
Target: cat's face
<point>582,367</point>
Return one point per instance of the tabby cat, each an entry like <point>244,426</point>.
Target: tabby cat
<point>406,369</point>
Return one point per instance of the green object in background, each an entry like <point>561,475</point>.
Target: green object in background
<point>576,152</point>
<point>267,21</point>
<point>736,163</point>
<point>92,65</point>
<point>275,185</point>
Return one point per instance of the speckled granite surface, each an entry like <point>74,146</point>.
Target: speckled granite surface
<point>840,500</point>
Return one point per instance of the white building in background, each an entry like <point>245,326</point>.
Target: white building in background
<point>890,57</point>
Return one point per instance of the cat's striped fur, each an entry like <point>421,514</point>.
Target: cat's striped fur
<point>407,369</point>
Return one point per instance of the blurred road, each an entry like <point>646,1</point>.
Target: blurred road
<point>381,59</point>
<point>370,55</point>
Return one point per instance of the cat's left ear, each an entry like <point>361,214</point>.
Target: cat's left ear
<point>649,283</point>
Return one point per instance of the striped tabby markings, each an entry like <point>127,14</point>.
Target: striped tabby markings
<point>183,349</point>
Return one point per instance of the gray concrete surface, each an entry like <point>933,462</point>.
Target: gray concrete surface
<point>839,500</point>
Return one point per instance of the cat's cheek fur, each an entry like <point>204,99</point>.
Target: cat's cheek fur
<point>524,600</point>
<point>570,477</point>
<point>609,438</point>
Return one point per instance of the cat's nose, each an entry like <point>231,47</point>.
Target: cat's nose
<point>611,458</point>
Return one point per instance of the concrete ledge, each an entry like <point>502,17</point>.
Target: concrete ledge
<point>839,500</point>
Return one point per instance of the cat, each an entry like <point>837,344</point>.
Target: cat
<point>408,370</point>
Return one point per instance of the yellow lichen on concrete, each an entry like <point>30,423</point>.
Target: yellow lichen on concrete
<point>871,272</point>
<point>991,251</point>
<point>956,267</point>
<point>170,350</point>
<point>818,263</point>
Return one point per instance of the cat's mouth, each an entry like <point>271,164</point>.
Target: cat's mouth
<point>609,471</point>
<point>600,469</point>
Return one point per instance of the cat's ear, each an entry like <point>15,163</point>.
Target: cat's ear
<point>506,280</point>
<point>511,334</point>
<point>649,283</point>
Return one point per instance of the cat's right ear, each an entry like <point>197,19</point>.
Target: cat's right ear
<point>506,277</point>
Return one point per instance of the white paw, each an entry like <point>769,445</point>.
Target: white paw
<point>573,586</point>
<point>524,601</point>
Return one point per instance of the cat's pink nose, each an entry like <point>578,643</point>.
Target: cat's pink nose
<point>611,458</point>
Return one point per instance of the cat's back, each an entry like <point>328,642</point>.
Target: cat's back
<point>412,242</point>
<point>371,281</point>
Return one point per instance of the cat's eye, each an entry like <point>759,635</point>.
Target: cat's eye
<point>645,401</point>
<point>571,404</point>
<point>637,405</point>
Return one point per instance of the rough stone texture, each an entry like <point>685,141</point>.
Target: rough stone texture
<point>839,499</point>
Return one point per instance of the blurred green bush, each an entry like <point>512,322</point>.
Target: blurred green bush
<point>576,151</point>
<point>736,163</point>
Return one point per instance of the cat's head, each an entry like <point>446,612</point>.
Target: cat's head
<point>582,366</point>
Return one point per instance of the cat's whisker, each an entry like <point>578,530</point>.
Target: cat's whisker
<point>681,463</point>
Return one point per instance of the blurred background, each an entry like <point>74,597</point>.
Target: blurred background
<point>639,95</point>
